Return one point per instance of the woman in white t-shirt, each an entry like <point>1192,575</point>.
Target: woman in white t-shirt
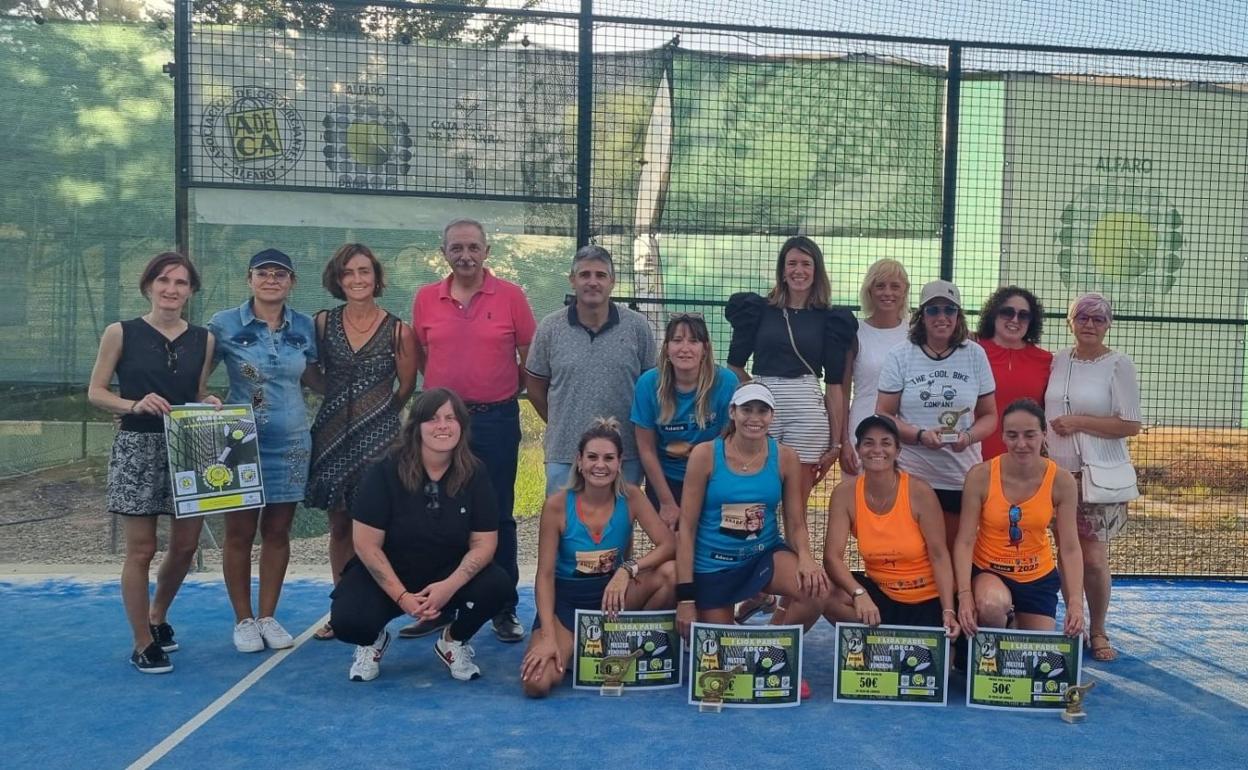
<point>939,389</point>
<point>1094,399</point>
<point>885,305</point>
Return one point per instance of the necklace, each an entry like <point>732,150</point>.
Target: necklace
<point>882,505</point>
<point>745,464</point>
<point>372,319</point>
<point>938,356</point>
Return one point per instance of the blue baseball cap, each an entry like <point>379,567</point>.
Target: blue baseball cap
<point>271,257</point>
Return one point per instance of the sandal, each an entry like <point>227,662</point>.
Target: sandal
<point>324,633</point>
<point>764,603</point>
<point>1103,653</point>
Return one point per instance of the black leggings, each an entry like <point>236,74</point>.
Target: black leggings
<point>360,609</point>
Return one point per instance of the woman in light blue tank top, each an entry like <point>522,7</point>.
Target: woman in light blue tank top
<point>582,549</point>
<point>733,487</point>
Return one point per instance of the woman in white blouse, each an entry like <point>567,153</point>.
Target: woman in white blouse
<point>885,309</point>
<point>1093,400</point>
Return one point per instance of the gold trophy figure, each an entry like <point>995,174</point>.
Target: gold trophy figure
<point>613,669</point>
<point>714,684</point>
<point>948,430</point>
<point>1074,697</point>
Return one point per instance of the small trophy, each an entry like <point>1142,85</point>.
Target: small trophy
<point>948,430</point>
<point>613,669</point>
<point>1074,697</point>
<point>714,684</point>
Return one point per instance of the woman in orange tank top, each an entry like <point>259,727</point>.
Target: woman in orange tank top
<point>1003,555</point>
<point>900,529</point>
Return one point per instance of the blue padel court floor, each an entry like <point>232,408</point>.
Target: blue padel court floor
<point>1176,697</point>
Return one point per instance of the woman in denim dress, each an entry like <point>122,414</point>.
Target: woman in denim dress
<point>266,346</point>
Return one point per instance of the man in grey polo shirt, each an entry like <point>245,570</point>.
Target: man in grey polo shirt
<point>583,364</point>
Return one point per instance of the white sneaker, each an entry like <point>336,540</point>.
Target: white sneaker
<point>458,658</point>
<point>367,663</point>
<point>274,635</point>
<point>247,636</point>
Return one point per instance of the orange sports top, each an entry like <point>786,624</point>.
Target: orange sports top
<point>892,546</point>
<point>1032,557</point>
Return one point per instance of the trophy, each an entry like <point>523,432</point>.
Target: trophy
<point>948,430</point>
<point>1074,697</point>
<point>613,668</point>
<point>714,684</point>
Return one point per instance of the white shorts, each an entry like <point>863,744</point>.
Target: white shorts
<point>801,419</point>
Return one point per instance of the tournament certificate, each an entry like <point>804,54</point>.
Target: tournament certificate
<point>899,665</point>
<point>214,462</point>
<point>1021,670</point>
<point>645,645</point>
<point>746,666</point>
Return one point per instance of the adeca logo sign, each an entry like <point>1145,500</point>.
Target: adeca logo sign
<point>253,135</point>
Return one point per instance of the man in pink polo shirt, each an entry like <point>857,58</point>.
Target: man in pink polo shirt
<point>474,331</point>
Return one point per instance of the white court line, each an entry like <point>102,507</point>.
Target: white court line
<point>212,709</point>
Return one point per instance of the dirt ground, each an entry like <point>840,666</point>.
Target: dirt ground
<point>1186,528</point>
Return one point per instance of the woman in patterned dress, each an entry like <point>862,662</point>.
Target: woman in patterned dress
<point>364,352</point>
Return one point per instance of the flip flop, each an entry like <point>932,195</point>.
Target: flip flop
<point>1102,653</point>
<point>324,633</point>
<point>753,606</point>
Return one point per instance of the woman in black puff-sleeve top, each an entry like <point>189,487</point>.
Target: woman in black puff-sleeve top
<point>795,337</point>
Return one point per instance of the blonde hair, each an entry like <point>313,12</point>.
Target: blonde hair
<point>706,371</point>
<point>883,269</point>
<point>605,428</point>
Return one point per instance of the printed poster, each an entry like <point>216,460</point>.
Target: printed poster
<point>648,639</point>
<point>898,665</point>
<point>214,460</point>
<point>752,666</point>
<point>1021,670</point>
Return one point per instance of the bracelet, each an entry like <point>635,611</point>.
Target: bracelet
<point>965,591</point>
<point>951,612</point>
<point>918,437</point>
<point>133,404</point>
<point>685,601</point>
<point>400,599</point>
<point>684,592</point>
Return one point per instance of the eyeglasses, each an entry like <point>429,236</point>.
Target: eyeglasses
<point>272,275</point>
<point>432,499</point>
<point>1016,532</point>
<point>932,311</point>
<point>1009,314</point>
<point>171,357</point>
<point>1096,320</point>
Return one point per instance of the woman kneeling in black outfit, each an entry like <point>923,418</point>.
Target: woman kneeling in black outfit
<point>425,528</point>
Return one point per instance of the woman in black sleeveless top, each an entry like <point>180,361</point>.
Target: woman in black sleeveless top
<point>158,360</point>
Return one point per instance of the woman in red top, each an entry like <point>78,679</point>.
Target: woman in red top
<point>1003,555</point>
<point>1009,332</point>
<point>900,529</point>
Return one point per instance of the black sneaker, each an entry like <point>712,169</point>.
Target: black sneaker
<point>507,627</point>
<point>152,660</point>
<point>162,634</point>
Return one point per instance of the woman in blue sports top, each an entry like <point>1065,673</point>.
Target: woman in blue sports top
<point>733,487</point>
<point>585,534</point>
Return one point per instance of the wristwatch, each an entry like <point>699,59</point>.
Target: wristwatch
<point>631,566</point>
<point>859,591</point>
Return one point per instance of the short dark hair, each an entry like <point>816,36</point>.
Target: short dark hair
<point>993,305</point>
<point>331,278</point>
<point>162,262</point>
<point>1029,406</point>
<point>877,421</point>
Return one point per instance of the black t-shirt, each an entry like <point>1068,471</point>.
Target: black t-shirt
<point>426,533</point>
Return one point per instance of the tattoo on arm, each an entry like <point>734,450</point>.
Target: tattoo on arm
<point>470,566</point>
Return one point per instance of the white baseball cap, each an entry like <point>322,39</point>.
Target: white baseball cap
<point>938,289</point>
<point>753,391</point>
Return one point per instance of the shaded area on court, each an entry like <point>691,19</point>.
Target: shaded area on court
<point>68,698</point>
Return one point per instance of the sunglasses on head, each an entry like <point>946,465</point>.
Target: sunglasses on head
<point>931,311</point>
<point>674,317</point>
<point>1009,314</point>
<point>1016,532</point>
